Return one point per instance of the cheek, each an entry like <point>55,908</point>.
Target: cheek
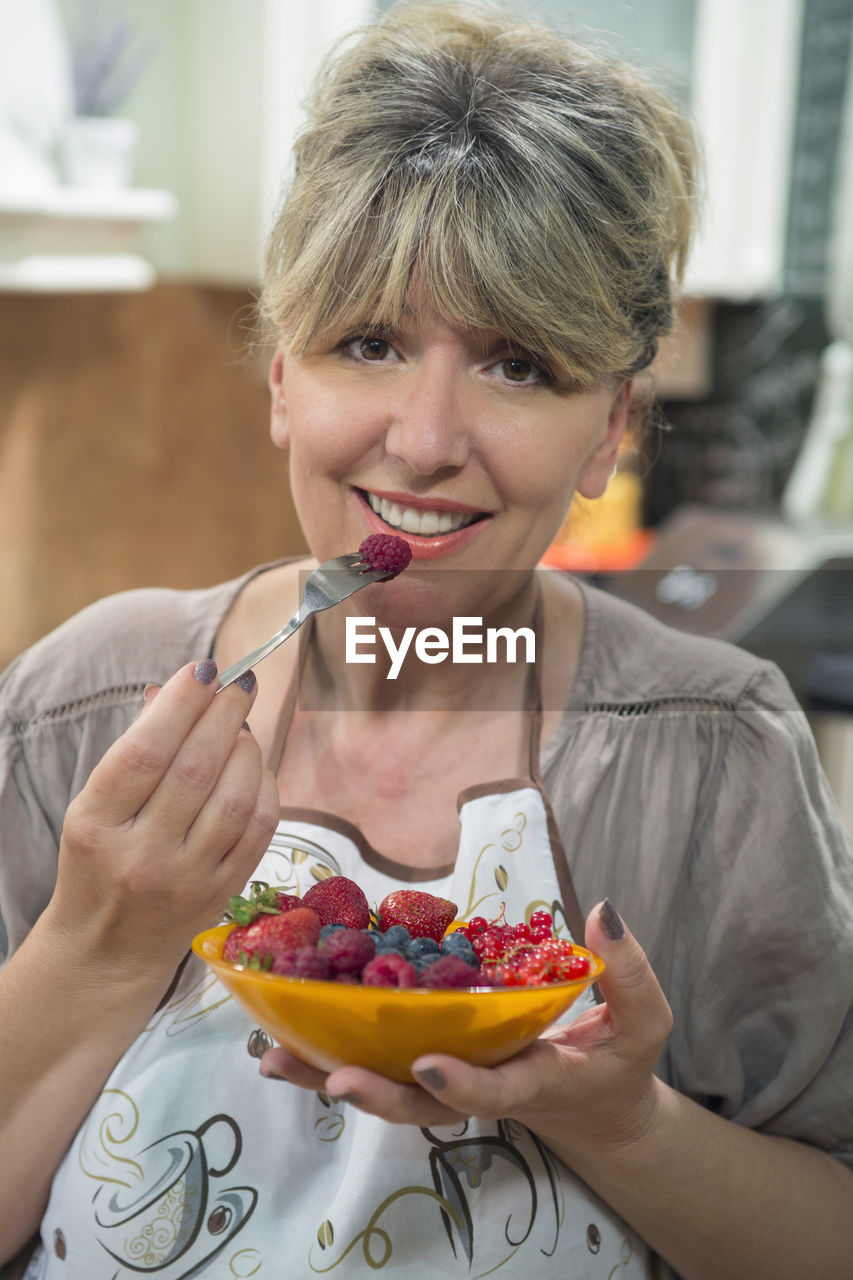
<point>325,437</point>
<point>542,465</point>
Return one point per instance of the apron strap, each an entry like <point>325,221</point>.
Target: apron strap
<point>574,915</point>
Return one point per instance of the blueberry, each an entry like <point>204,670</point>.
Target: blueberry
<point>397,935</point>
<point>422,947</point>
<point>326,929</point>
<point>386,946</point>
<point>456,944</point>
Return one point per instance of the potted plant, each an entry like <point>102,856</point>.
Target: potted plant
<point>98,146</point>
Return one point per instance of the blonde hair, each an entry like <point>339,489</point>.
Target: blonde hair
<point>537,188</point>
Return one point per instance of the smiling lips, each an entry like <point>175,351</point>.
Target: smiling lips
<point>432,528</point>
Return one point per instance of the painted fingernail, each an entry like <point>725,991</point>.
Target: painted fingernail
<point>271,1075</point>
<point>205,671</point>
<point>610,921</point>
<point>247,681</point>
<point>430,1077</point>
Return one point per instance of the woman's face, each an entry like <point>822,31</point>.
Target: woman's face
<point>441,434</point>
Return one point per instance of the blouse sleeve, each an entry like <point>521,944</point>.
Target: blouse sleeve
<point>29,833</point>
<point>763,1026</point>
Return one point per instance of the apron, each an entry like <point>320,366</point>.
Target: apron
<point>191,1164</point>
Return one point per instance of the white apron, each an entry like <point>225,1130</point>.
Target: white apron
<point>190,1164</point>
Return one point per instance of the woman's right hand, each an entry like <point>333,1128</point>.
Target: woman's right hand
<point>171,822</point>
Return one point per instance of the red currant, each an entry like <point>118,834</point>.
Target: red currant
<point>492,949</point>
<point>575,967</point>
<point>541,920</point>
<point>477,924</point>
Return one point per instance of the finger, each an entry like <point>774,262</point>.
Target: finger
<point>194,773</point>
<point>637,1007</point>
<point>149,693</point>
<point>495,1091</point>
<point>133,766</point>
<point>237,826</point>
<point>280,1064</point>
<point>391,1101</point>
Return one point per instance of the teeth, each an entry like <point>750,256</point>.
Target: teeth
<point>424,523</point>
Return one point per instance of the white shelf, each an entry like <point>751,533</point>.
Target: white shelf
<point>75,239</point>
<point>61,204</point>
<point>77,273</point>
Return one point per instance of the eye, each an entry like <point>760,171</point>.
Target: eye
<point>374,349</point>
<point>519,370</point>
<point>523,371</point>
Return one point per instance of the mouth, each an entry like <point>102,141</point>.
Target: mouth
<point>429,519</point>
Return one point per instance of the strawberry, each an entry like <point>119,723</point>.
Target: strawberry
<point>258,943</point>
<point>423,914</point>
<point>338,900</point>
<point>262,900</point>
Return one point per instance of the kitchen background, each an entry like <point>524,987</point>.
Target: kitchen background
<point>142,147</point>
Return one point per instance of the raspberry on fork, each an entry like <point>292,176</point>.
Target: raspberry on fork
<point>387,552</point>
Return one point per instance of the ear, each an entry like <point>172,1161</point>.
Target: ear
<point>598,468</point>
<point>279,429</point>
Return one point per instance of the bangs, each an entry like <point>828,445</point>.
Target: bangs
<point>456,232</point>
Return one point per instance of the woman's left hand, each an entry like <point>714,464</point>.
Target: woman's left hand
<point>581,1086</point>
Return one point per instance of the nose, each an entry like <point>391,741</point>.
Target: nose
<point>431,419</point>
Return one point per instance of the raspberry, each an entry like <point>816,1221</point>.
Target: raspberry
<point>304,962</point>
<point>389,970</point>
<point>387,552</point>
<point>347,950</point>
<point>449,971</point>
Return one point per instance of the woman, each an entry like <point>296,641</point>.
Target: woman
<point>472,267</point>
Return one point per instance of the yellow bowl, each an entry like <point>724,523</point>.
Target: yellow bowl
<point>330,1024</point>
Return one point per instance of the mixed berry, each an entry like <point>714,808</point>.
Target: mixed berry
<point>331,934</point>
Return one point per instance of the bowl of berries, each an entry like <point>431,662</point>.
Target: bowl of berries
<point>337,983</point>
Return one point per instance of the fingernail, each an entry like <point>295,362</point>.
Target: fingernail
<point>271,1075</point>
<point>149,692</point>
<point>205,671</point>
<point>610,921</point>
<point>246,681</point>
<point>430,1077</point>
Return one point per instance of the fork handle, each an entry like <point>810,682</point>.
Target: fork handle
<point>232,673</point>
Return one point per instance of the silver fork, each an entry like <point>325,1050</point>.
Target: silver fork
<point>327,585</point>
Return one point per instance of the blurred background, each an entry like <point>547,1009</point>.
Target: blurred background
<point>143,146</point>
